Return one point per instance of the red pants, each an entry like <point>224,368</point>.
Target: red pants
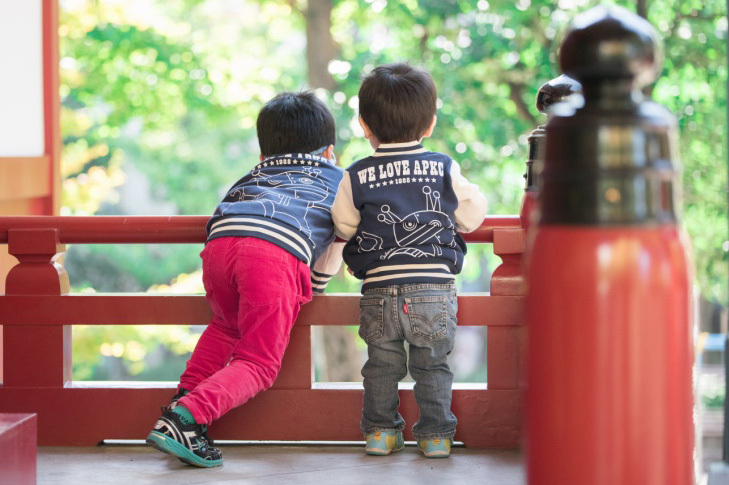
<point>255,290</point>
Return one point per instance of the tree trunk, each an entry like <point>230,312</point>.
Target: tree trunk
<point>342,356</point>
<point>320,46</point>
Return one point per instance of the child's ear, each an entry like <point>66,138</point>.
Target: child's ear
<point>367,132</point>
<point>329,153</point>
<point>261,157</point>
<point>429,131</point>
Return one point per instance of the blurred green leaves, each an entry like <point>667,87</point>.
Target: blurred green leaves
<point>171,89</point>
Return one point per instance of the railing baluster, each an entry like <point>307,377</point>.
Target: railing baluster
<point>34,355</point>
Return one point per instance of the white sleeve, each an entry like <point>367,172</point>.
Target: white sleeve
<point>345,215</point>
<point>471,202</point>
<point>326,266</point>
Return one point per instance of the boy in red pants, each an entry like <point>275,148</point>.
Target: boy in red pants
<point>269,246</point>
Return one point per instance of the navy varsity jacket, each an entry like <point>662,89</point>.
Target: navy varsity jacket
<point>400,211</point>
<point>286,200</point>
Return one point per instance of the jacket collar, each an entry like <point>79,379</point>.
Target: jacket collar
<point>407,148</point>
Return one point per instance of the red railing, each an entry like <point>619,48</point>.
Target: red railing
<point>37,313</point>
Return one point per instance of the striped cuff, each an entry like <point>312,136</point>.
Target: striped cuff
<point>319,281</point>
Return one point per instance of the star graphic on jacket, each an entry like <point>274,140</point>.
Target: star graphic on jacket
<point>378,184</point>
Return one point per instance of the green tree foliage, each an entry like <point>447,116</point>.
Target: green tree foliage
<point>172,88</point>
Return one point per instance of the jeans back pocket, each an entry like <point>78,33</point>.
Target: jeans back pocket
<point>371,324</point>
<point>428,316</point>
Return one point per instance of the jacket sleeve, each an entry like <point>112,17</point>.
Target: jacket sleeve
<point>326,266</point>
<point>345,215</point>
<point>472,203</point>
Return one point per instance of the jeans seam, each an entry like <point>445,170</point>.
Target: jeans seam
<point>396,318</point>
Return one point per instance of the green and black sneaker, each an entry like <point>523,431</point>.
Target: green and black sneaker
<point>182,437</point>
<point>173,404</point>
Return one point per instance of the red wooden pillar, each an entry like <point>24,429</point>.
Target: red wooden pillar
<point>36,356</point>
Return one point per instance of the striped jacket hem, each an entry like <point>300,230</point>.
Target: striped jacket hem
<point>399,274</point>
<point>264,228</point>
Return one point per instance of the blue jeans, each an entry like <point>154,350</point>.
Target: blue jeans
<point>424,315</point>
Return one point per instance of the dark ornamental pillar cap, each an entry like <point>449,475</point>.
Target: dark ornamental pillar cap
<point>557,90</point>
<point>610,161</point>
<point>610,42</point>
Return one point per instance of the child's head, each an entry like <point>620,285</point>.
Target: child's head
<point>294,123</point>
<point>397,103</point>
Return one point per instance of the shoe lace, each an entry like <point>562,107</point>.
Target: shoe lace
<point>203,428</point>
<point>204,435</point>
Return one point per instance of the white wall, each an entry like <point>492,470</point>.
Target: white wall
<point>21,79</point>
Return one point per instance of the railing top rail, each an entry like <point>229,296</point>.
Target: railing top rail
<point>166,229</point>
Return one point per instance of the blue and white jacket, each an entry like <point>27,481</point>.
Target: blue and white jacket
<point>286,200</point>
<point>400,211</point>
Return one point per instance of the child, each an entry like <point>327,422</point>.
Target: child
<point>272,225</point>
<point>400,209</point>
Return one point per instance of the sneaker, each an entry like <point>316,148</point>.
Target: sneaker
<point>173,404</point>
<point>383,443</point>
<point>437,448</point>
<point>185,441</point>
<point>181,393</point>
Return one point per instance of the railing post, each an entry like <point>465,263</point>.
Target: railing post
<point>609,396</point>
<point>558,90</point>
<point>506,343</point>
<point>36,356</point>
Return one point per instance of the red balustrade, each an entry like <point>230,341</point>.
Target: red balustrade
<point>38,312</point>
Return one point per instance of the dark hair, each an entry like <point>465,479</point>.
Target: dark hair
<point>294,122</point>
<point>397,101</point>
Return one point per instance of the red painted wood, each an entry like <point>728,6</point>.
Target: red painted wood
<point>36,312</point>
<point>36,356</point>
<point>610,357</point>
<point>152,309</point>
<point>296,366</point>
<point>18,439</point>
<point>508,278</point>
<point>166,229</point>
<point>50,204</point>
<point>38,273</point>
<point>508,240</point>
<point>114,229</point>
<point>528,209</point>
<point>503,358</point>
<point>487,419</point>
<point>485,233</point>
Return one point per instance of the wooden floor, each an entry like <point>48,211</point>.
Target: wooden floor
<point>277,464</point>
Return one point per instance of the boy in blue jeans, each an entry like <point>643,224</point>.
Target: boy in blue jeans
<point>400,210</point>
